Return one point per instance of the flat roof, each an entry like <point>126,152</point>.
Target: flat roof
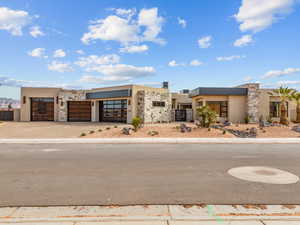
<point>219,91</point>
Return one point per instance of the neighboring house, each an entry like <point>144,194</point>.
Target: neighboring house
<point>182,106</point>
<point>237,103</point>
<point>111,104</point>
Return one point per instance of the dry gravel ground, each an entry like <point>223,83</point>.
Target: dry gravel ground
<point>109,130</point>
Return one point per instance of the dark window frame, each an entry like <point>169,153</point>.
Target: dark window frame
<point>274,109</point>
<point>223,108</point>
<point>158,104</point>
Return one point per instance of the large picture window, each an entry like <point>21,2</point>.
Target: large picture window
<point>275,109</point>
<point>220,107</point>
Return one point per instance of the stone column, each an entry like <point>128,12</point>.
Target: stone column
<point>252,102</point>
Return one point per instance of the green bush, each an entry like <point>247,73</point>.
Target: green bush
<point>207,116</point>
<point>136,123</point>
<point>247,119</point>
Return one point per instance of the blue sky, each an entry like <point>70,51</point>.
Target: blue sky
<point>86,44</point>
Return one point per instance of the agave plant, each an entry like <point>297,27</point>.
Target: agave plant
<point>285,95</point>
<point>296,98</point>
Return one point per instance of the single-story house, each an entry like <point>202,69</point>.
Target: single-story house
<point>238,103</point>
<point>110,104</point>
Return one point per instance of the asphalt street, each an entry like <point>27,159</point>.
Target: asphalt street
<point>129,174</point>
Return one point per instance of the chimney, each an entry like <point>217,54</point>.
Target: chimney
<point>166,84</point>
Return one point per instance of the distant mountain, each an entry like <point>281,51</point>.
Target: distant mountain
<point>4,102</point>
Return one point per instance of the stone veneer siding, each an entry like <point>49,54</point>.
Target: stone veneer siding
<point>252,102</point>
<point>64,97</point>
<point>150,114</point>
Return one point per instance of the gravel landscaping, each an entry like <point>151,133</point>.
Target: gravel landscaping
<point>112,130</point>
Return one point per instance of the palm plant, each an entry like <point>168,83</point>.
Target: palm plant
<point>285,95</point>
<point>296,98</point>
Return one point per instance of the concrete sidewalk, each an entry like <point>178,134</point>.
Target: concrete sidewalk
<point>154,140</point>
<point>154,215</point>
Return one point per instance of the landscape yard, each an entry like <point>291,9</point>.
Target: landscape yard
<point>114,130</point>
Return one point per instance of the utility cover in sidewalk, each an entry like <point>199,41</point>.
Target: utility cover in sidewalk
<point>264,175</point>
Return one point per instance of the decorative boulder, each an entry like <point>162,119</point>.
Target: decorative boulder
<point>184,128</point>
<point>296,129</point>
<point>153,133</point>
<point>127,130</point>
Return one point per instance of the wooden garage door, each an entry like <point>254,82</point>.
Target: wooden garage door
<point>79,111</point>
<point>42,109</point>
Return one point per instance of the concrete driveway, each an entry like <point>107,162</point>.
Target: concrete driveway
<point>49,129</point>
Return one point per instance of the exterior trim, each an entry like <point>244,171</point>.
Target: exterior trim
<point>204,91</point>
<point>109,94</point>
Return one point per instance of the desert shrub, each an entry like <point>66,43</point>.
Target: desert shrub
<point>91,132</point>
<point>136,123</point>
<point>115,126</point>
<point>247,119</point>
<point>82,134</point>
<point>100,130</point>
<point>224,131</point>
<point>107,128</point>
<point>207,115</point>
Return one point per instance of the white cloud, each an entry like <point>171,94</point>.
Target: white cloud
<point>134,49</point>
<point>153,25</point>
<point>117,73</point>
<point>279,73</point>
<point>248,78</point>
<point>173,63</point>
<point>103,80</point>
<point>230,58</point>
<point>59,53</point>
<point>13,21</point>
<point>94,60</point>
<point>127,30</point>
<point>205,42</point>
<point>257,15</point>
<point>60,67</point>
<point>243,41</point>
<point>125,12</point>
<point>182,22</point>
<point>112,28</point>
<point>12,82</point>
<point>196,62</point>
<point>36,32</point>
<point>80,52</point>
<point>288,82</point>
<point>38,53</point>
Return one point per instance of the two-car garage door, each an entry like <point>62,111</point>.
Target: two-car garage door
<point>79,111</point>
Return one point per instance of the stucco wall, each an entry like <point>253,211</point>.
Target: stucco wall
<point>36,93</point>
<point>264,105</point>
<point>237,109</point>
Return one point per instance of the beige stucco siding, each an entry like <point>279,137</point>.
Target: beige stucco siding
<point>29,93</point>
<point>237,109</point>
<point>264,105</point>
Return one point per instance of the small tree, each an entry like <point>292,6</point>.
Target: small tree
<point>136,123</point>
<point>207,115</point>
<point>296,98</point>
<point>285,94</point>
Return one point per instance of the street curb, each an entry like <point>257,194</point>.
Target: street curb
<point>151,213</point>
<point>154,141</point>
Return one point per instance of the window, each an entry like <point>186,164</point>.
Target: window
<point>220,107</point>
<point>275,109</point>
<point>158,104</point>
